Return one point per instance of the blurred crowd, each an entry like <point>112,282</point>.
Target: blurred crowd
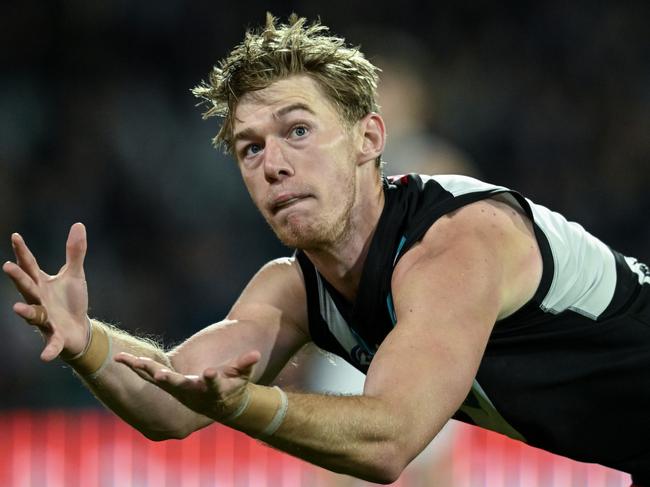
<point>97,124</point>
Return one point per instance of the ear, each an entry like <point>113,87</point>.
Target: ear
<point>373,138</point>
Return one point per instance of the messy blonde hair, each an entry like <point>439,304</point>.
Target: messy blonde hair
<point>276,52</point>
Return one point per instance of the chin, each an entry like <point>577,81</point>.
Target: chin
<point>308,231</point>
<point>303,240</point>
<point>304,236</point>
<point>311,236</point>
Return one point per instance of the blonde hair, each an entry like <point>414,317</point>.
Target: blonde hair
<point>276,52</point>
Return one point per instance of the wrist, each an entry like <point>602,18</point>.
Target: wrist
<point>67,355</point>
<point>96,353</point>
<point>261,411</point>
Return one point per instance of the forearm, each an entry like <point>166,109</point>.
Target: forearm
<point>152,411</point>
<point>355,435</point>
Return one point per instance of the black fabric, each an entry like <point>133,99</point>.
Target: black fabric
<point>569,384</point>
<point>627,288</point>
<point>318,330</point>
<point>640,481</point>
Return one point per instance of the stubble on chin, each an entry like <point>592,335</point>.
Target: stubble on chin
<point>322,231</point>
<point>301,235</point>
<point>315,234</point>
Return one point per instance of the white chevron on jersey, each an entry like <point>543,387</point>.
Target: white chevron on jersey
<point>585,270</point>
<point>335,321</point>
<point>584,277</point>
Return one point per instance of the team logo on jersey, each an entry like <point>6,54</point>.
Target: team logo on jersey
<point>361,356</point>
<point>644,269</point>
<point>640,269</point>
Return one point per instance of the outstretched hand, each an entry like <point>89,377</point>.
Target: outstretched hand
<point>56,304</point>
<point>216,393</point>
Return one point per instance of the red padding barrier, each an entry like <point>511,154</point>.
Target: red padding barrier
<point>91,448</point>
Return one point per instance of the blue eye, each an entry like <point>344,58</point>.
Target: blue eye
<point>300,131</point>
<point>252,149</point>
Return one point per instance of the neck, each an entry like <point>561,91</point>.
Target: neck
<point>341,263</point>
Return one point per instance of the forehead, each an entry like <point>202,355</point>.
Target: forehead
<point>299,89</point>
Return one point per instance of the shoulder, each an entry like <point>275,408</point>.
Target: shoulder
<point>278,287</point>
<point>282,268</point>
<point>486,222</point>
<point>490,241</point>
<point>282,273</point>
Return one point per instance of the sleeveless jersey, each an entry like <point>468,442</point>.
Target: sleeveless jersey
<point>568,372</point>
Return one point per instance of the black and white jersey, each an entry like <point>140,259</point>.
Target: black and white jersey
<point>568,372</point>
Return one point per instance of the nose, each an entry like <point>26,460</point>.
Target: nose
<point>276,163</point>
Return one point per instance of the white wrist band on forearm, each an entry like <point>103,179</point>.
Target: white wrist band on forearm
<point>241,408</point>
<point>279,415</point>
<point>107,359</point>
<point>89,336</point>
<point>96,354</point>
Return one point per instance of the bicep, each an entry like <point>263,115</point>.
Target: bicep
<point>446,305</point>
<point>269,316</point>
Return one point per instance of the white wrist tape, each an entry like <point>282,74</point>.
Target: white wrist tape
<point>107,359</point>
<point>279,414</point>
<point>89,336</point>
<point>241,408</point>
<point>97,353</point>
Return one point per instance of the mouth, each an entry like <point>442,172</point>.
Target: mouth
<point>285,202</point>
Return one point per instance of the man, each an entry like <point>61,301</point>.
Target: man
<point>456,298</point>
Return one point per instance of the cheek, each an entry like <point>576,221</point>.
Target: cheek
<point>254,188</point>
<point>337,155</point>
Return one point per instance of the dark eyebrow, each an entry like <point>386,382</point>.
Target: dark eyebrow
<point>250,133</point>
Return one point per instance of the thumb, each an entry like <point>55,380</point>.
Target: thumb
<point>53,348</point>
<point>242,366</point>
<point>75,250</point>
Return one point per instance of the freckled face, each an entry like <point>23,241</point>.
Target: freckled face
<point>296,158</point>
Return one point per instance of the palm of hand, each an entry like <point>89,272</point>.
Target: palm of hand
<point>65,297</point>
<point>56,305</point>
<point>216,393</point>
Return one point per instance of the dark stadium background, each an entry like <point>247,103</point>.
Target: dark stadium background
<point>97,125</point>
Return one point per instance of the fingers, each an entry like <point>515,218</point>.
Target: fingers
<point>39,315</point>
<point>248,359</point>
<point>210,374</point>
<point>131,362</point>
<point>23,282</point>
<point>75,250</point>
<point>154,372</point>
<point>53,348</point>
<point>24,258</point>
<point>34,314</point>
<point>126,359</point>
<point>190,389</point>
<point>144,367</point>
<point>243,365</point>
